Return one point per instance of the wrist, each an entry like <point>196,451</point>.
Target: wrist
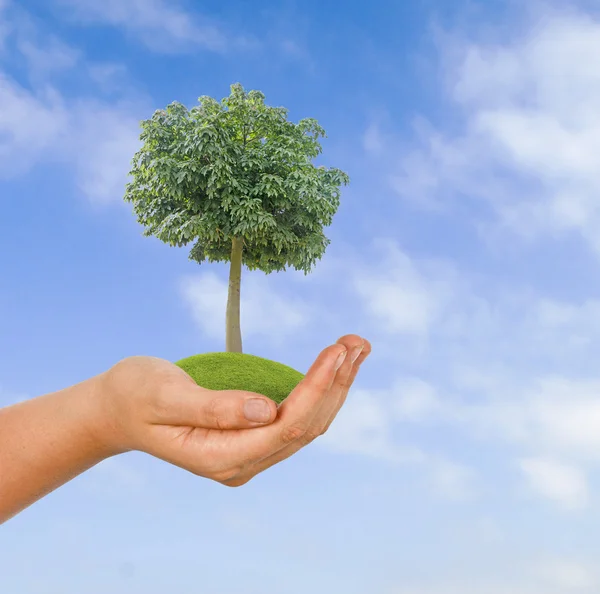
<point>97,418</point>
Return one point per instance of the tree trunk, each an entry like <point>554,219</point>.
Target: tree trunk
<point>233,332</point>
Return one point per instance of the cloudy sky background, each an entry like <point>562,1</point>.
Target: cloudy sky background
<point>466,249</point>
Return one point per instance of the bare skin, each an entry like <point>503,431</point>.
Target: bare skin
<point>150,405</point>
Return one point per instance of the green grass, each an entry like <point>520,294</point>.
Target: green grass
<point>236,371</point>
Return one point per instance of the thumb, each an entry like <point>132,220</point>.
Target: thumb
<point>221,409</point>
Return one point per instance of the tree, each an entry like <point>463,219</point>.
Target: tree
<point>236,180</point>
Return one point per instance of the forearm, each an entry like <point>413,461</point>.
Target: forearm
<point>47,441</point>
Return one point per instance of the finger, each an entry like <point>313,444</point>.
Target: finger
<point>194,406</point>
<point>347,383</point>
<point>297,410</point>
<point>358,350</point>
<point>354,345</point>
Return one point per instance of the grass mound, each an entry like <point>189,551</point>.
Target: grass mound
<point>237,371</point>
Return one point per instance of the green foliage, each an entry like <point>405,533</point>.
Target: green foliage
<point>235,168</point>
<point>236,371</point>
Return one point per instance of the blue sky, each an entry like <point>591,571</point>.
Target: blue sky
<point>466,249</point>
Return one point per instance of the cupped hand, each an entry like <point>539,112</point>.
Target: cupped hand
<point>228,436</point>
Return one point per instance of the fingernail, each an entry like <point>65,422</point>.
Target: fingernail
<point>340,360</point>
<point>256,410</point>
<point>356,352</point>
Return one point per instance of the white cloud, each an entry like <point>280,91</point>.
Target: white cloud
<point>23,42</point>
<point>39,123</point>
<point>45,54</point>
<point>531,112</point>
<point>568,415</point>
<point>421,298</point>
<point>568,575</point>
<point>501,367</point>
<point>264,313</point>
<point>400,298</point>
<point>162,26</point>
<point>109,76</point>
<point>550,415</point>
<point>97,139</point>
<point>30,125</point>
<point>453,481</point>
<point>46,59</point>
<point>415,400</point>
<point>556,481</point>
<point>363,427</point>
<point>552,575</point>
<point>373,141</point>
<point>104,139</point>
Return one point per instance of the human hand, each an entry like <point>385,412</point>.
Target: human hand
<point>153,406</point>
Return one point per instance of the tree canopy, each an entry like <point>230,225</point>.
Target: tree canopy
<point>235,169</point>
